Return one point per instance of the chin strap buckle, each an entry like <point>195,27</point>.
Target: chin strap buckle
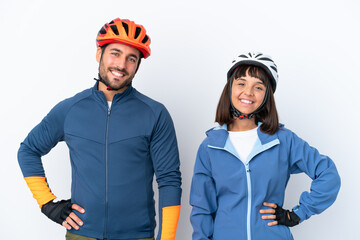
<point>246,116</point>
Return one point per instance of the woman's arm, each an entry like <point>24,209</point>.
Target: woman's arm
<point>321,169</point>
<point>203,197</point>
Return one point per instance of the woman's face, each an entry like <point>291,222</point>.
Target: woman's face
<point>247,93</point>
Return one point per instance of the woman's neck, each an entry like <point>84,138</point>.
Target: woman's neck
<point>242,125</point>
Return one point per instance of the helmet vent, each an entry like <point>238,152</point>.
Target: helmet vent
<point>244,56</point>
<point>111,22</point>
<point>266,59</point>
<point>115,30</point>
<point>258,55</point>
<point>102,31</point>
<point>137,32</point>
<point>126,27</point>
<point>274,68</point>
<point>145,39</point>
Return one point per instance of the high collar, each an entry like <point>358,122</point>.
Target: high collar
<point>117,97</point>
<point>218,136</point>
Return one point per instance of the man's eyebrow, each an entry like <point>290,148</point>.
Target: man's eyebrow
<point>133,55</point>
<point>118,50</point>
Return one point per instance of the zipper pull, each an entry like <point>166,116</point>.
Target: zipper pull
<point>109,109</point>
<point>247,168</point>
<point>109,105</point>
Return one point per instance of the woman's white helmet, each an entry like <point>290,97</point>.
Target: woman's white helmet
<point>256,59</point>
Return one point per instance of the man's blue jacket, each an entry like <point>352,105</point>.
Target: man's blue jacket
<point>114,154</point>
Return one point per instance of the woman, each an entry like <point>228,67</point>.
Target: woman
<point>243,166</point>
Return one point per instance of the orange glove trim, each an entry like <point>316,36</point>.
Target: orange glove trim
<point>40,190</point>
<point>170,218</point>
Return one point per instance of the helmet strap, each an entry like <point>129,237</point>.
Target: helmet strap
<point>99,79</point>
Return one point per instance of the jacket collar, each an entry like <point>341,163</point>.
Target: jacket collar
<point>218,136</point>
<point>101,96</point>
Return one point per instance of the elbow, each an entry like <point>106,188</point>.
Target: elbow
<point>338,181</point>
<point>21,153</point>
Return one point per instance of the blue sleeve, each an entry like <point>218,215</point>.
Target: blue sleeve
<point>40,141</point>
<point>202,197</point>
<point>165,156</point>
<point>325,178</point>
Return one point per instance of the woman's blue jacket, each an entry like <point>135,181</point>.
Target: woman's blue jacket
<point>227,194</point>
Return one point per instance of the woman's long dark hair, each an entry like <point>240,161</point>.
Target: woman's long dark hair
<point>268,115</point>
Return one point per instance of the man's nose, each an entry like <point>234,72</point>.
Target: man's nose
<point>121,63</point>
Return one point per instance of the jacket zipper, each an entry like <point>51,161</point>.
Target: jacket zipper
<point>249,200</point>
<point>248,180</point>
<point>106,171</point>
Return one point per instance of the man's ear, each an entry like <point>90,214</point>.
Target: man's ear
<point>98,54</point>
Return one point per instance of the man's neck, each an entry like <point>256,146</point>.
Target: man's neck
<point>109,94</point>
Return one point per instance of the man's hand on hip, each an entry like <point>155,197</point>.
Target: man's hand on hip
<point>61,213</point>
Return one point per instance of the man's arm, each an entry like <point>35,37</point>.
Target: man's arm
<point>165,156</point>
<point>39,142</point>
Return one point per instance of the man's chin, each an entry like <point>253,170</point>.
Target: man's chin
<point>120,87</point>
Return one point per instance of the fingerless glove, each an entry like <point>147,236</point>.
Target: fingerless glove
<point>57,211</point>
<point>283,218</point>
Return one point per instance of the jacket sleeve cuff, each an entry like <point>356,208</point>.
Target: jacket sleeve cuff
<point>299,211</point>
<point>40,190</point>
<point>170,218</point>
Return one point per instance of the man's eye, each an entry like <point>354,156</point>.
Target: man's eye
<point>132,60</point>
<point>115,54</point>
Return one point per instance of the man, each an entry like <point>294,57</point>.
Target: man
<point>117,139</point>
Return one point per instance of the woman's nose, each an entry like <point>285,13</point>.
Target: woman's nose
<point>249,91</point>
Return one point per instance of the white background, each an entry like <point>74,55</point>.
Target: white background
<point>48,54</point>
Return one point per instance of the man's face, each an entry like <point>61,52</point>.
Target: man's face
<point>118,64</point>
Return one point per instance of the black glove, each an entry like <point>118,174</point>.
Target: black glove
<point>57,211</point>
<point>283,219</point>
